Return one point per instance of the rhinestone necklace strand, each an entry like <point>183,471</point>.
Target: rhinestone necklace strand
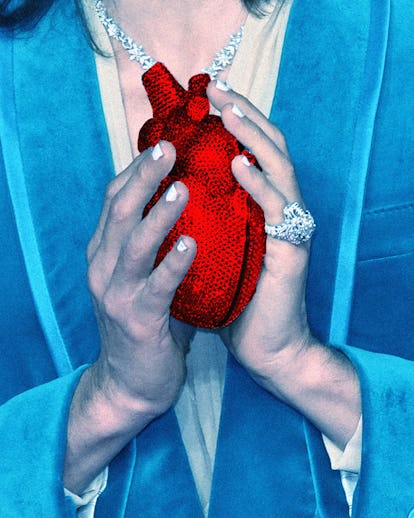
<point>222,59</point>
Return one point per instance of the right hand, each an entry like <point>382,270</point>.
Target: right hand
<point>141,367</point>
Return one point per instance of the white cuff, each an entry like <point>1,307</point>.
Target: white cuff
<point>86,502</point>
<point>348,459</point>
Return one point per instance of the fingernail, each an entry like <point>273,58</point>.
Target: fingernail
<point>157,152</point>
<point>181,246</point>
<point>237,111</point>
<point>246,161</point>
<point>224,87</point>
<point>172,193</point>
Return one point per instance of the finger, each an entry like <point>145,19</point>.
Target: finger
<point>272,202</point>
<point>275,164</point>
<point>129,192</point>
<point>126,207</point>
<point>112,189</point>
<point>219,97</point>
<point>162,284</point>
<point>138,254</point>
<point>260,188</point>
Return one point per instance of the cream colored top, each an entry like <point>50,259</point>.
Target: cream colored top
<point>254,74</point>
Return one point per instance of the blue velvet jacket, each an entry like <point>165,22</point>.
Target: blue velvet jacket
<point>345,101</point>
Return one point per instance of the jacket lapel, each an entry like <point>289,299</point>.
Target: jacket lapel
<point>151,477</point>
<point>326,103</point>
<point>163,484</point>
<point>64,164</point>
<point>261,467</point>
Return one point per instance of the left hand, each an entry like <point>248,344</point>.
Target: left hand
<point>271,338</point>
<point>275,319</point>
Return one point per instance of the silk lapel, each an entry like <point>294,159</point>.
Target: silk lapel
<point>162,484</point>
<point>262,465</point>
<point>65,165</point>
<point>151,477</point>
<point>325,104</point>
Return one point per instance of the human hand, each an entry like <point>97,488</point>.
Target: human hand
<point>142,361</point>
<point>141,367</point>
<point>275,319</point>
<point>271,338</point>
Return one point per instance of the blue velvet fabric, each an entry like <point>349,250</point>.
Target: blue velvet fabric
<point>344,100</point>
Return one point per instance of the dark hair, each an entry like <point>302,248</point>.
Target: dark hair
<point>27,13</point>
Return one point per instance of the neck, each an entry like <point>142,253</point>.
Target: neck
<point>183,34</point>
<point>179,9</point>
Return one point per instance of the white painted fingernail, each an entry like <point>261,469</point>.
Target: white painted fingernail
<point>237,111</point>
<point>246,161</point>
<point>172,193</point>
<point>181,246</point>
<point>157,152</point>
<point>224,87</point>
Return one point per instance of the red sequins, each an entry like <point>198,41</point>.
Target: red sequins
<point>220,215</point>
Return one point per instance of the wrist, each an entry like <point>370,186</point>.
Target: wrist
<point>100,424</point>
<point>320,382</point>
<point>288,369</point>
<point>113,394</point>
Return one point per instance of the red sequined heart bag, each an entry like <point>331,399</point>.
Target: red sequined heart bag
<point>221,216</point>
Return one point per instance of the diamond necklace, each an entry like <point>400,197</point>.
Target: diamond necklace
<point>222,59</point>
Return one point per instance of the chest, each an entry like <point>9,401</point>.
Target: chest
<point>135,100</point>
<point>134,97</point>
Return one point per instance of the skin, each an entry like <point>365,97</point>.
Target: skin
<point>141,368</point>
<point>193,26</point>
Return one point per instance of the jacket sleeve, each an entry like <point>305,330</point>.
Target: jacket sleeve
<point>33,442</point>
<point>386,479</point>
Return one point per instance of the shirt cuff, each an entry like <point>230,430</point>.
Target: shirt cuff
<point>86,502</point>
<point>348,459</point>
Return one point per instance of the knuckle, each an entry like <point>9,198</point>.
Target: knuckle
<point>161,287</point>
<point>94,281</point>
<point>149,175</point>
<point>111,189</point>
<point>288,168</point>
<point>160,219</point>
<point>260,135</point>
<point>173,271</point>
<point>280,140</point>
<point>118,210</point>
<point>158,225</point>
<point>134,251</point>
<point>110,306</point>
<point>157,289</point>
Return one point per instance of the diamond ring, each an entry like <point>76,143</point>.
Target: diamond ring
<point>297,227</point>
